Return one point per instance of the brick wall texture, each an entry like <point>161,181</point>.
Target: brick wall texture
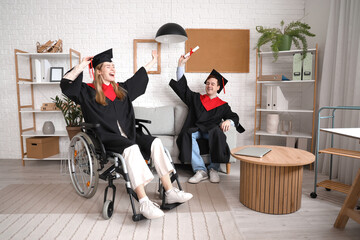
<point>93,26</point>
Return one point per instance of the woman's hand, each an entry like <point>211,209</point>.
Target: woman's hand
<point>225,126</point>
<point>183,60</point>
<point>74,73</point>
<point>154,55</point>
<point>85,61</point>
<point>153,61</point>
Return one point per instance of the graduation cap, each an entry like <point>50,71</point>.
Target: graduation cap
<point>221,80</point>
<point>105,56</point>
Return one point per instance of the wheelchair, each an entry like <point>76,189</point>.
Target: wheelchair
<point>87,158</point>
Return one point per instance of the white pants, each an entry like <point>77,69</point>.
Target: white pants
<point>139,172</point>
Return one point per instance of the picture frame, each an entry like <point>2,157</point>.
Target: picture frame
<point>56,74</point>
<point>158,46</point>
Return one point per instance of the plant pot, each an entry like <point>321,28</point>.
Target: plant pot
<point>72,131</point>
<point>285,43</point>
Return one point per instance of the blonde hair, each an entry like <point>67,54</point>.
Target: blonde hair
<point>100,96</point>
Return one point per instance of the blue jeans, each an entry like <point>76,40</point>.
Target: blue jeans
<point>197,162</point>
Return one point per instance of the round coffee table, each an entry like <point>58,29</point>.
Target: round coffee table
<point>273,183</point>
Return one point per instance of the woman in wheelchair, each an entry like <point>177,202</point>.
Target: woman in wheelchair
<point>109,104</point>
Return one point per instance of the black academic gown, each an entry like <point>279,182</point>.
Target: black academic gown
<point>199,118</point>
<point>115,111</point>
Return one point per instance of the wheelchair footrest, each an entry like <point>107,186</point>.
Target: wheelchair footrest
<point>138,217</point>
<point>167,206</point>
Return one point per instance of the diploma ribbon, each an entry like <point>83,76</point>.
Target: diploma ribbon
<point>191,51</point>
<point>91,70</point>
<point>223,84</point>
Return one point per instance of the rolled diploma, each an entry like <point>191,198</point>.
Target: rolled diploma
<point>194,50</point>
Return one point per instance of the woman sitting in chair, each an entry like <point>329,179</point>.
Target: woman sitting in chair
<point>110,104</point>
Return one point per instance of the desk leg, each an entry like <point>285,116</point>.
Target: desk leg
<point>347,209</point>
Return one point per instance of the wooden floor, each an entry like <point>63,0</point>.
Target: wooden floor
<point>314,220</point>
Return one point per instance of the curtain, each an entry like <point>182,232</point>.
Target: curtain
<point>340,85</point>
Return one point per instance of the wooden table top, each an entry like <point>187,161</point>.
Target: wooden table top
<point>278,156</point>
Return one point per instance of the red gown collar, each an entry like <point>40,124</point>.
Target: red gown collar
<point>107,89</point>
<point>210,104</point>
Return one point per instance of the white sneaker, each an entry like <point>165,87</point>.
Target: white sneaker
<point>198,177</point>
<point>214,176</point>
<point>151,210</point>
<point>177,196</point>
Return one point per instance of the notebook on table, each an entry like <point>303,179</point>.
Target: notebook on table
<point>253,151</point>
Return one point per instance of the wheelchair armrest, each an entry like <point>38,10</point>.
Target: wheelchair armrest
<point>137,120</point>
<point>89,125</point>
<point>139,126</point>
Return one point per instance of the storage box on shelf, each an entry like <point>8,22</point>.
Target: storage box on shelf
<point>42,147</point>
<point>35,86</point>
<point>277,92</point>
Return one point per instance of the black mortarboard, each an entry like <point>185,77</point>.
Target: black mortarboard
<point>105,56</point>
<point>221,80</point>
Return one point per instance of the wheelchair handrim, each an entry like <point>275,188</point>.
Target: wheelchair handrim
<point>82,185</point>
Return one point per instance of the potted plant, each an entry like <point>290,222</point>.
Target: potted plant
<point>281,38</point>
<point>71,112</point>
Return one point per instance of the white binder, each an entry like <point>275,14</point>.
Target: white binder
<point>37,71</point>
<point>269,97</point>
<point>290,142</point>
<point>297,65</point>
<point>307,67</point>
<point>302,144</point>
<point>279,102</point>
<point>45,70</point>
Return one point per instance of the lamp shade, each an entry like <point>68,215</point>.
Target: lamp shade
<point>171,33</point>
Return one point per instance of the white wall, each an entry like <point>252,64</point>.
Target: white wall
<point>317,16</point>
<point>93,26</point>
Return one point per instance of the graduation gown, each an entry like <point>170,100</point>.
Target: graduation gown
<point>117,111</point>
<point>199,118</point>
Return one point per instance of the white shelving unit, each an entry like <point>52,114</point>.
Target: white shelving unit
<point>29,85</point>
<point>305,110</point>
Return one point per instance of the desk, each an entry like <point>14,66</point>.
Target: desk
<point>353,193</point>
<point>273,184</point>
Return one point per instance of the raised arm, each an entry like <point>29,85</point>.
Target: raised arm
<point>181,67</point>
<point>180,86</point>
<point>150,64</point>
<point>72,80</point>
<point>74,73</point>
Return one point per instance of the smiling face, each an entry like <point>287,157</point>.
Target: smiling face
<point>107,72</point>
<point>212,86</point>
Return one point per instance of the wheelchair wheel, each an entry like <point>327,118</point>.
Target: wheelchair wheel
<point>108,209</point>
<point>83,165</point>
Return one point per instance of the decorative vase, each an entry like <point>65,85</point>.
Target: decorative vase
<point>285,43</point>
<point>72,131</point>
<point>48,128</point>
<point>272,123</point>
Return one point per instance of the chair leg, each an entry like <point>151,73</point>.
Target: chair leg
<point>228,166</point>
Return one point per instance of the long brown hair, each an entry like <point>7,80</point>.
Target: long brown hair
<point>100,96</point>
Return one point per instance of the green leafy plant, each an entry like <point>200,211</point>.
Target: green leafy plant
<point>296,30</point>
<point>70,110</point>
